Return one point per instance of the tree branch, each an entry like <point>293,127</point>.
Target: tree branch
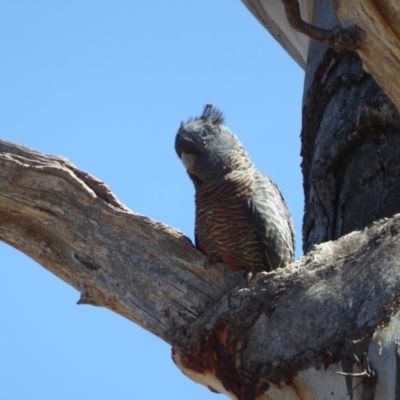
<point>71,224</point>
<point>320,311</point>
<point>239,338</point>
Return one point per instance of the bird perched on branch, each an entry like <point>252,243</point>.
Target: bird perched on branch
<point>242,219</point>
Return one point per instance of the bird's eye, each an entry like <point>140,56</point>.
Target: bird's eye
<point>204,143</point>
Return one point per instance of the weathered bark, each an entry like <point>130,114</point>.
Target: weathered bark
<point>350,142</point>
<point>278,337</point>
<point>70,223</point>
<point>350,151</point>
<point>265,339</point>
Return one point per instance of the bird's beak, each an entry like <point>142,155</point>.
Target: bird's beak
<point>188,161</point>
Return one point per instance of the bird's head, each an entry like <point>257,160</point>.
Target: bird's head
<point>207,148</point>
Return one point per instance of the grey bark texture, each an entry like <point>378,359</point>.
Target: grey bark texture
<point>70,223</point>
<point>350,141</point>
<point>284,334</point>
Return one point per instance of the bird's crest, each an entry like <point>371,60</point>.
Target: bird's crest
<point>211,113</point>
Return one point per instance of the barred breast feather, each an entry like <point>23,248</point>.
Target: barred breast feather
<point>237,222</point>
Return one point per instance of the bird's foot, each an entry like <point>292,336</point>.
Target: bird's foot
<point>249,274</point>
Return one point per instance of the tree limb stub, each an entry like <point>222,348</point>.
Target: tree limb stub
<point>341,39</point>
<point>71,224</point>
<point>239,338</point>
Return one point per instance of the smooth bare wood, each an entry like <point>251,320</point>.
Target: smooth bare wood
<point>380,50</point>
<point>271,14</point>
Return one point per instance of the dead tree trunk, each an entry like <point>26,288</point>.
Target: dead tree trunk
<point>351,168</point>
<point>350,144</point>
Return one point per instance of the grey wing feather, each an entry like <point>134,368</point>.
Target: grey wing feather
<point>272,222</point>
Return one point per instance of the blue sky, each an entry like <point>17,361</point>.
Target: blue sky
<point>106,85</point>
